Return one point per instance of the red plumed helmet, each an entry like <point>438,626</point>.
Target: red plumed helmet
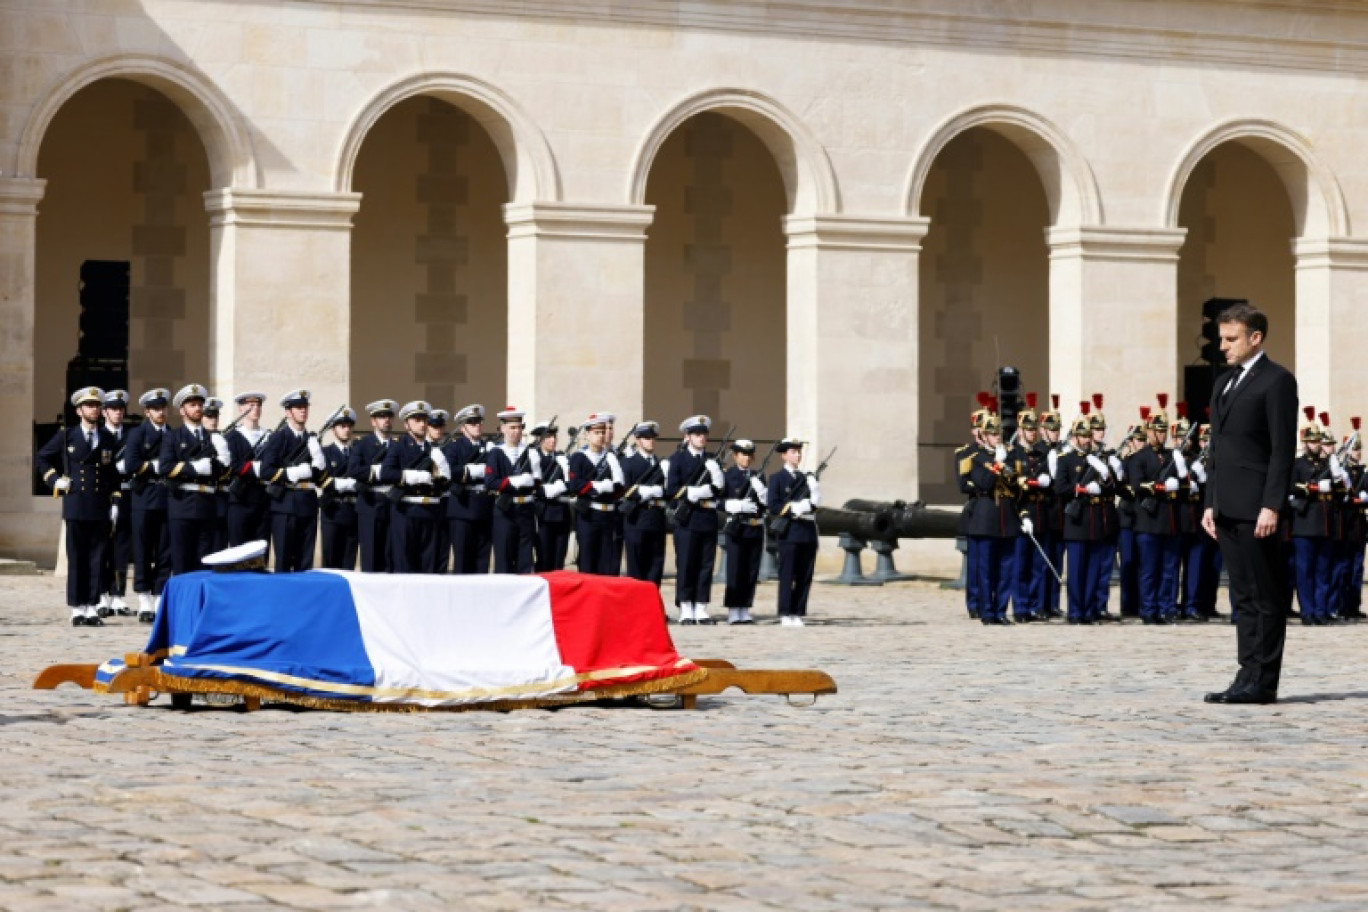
<point>1355,421</point>
<point>1031,400</point>
<point>1325,419</point>
<point>1162,399</point>
<point>1182,409</point>
<point>1054,401</point>
<point>1144,413</point>
<point>1097,401</point>
<point>1310,412</point>
<point>1085,407</point>
<point>992,403</point>
<point>984,399</point>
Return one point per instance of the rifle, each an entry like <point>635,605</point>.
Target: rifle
<point>626,439</point>
<point>631,499</point>
<point>679,507</point>
<point>581,504</point>
<point>1149,504</point>
<point>1301,504</point>
<point>779,522</point>
<point>1076,506</point>
<point>503,501</point>
<point>734,520</point>
<point>364,486</point>
<point>276,489</point>
<point>236,485</point>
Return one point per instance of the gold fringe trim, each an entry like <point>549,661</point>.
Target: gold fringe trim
<point>166,683</point>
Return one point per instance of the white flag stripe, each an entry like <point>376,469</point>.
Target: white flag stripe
<point>422,633</point>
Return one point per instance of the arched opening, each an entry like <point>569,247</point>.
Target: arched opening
<point>429,261</point>
<point>1240,226</point>
<point>984,290</point>
<point>715,276</point>
<point>126,171</point>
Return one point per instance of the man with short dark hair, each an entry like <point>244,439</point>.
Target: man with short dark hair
<point>1249,471</point>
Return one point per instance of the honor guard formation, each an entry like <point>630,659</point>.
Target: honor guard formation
<point>1051,520</point>
<point>423,492</point>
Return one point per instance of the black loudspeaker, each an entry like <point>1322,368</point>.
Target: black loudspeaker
<point>102,345</point>
<point>1200,382</point>
<point>1009,399</point>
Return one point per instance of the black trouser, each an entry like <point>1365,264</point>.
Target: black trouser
<point>86,543</point>
<point>619,541</point>
<point>471,540</point>
<point>743,570</point>
<point>594,534</point>
<point>515,538</point>
<point>645,554</point>
<point>248,522</point>
<point>339,546</point>
<point>293,538</point>
<point>443,546</point>
<point>151,551</point>
<point>1258,587</point>
<point>695,556</point>
<point>114,568</point>
<point>373,534</point>
<point>413,540</point>
<point>796,563</point>
<point>553,543</point>
<point>191,539</point>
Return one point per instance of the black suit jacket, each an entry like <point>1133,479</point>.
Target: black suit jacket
<point>1253,442</point>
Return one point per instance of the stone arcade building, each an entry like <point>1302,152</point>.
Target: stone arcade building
<point>828,219</point>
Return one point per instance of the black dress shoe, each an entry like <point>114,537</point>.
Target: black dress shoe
<point>77,620</point>
<point>1081,621</point>
<point>93,622</point>
<point>1218,697</point>
<point>1251,697</point>
<point>146,617</point>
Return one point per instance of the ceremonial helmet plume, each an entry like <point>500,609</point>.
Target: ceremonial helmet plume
<point>1144,413</point>
<point>1085,407</point>
<point>1054,401</point>
<point>1355,421</point>
<point>1182,409</point>
<point>984,399</point>
<point>1097,401</point>
<point>1325,419</point>
<point>1162,399</point>
<point>1310,412</point>
<point>1031,400</point>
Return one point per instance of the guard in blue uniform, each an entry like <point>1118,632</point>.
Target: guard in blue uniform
<point>470,506</point>
<point>1204,578</point>
<point>1051,423</point>
<point>213,407</point>
<point>553,503</point>
<point>643,506</point>
<point>1191,504</point>
<point>249,509</point>
<point>292,464</point>
<point>337,521</point>
<point>1155,476</point>
<point>964,463</point>
<point>511,475</point>
<point>995,523</point>
<point>1083,483</point>
<point>1035,500</point>
<point>745,501</point>
<point>418,472</point>
<point>114,570</point>
<point>1355,528</point>
<point>1098,422</point>
<point>1312,494</point>
<point>372,502</point>
<point>596,481</point>
<point>151,532</point>
<point>694,484</point>
<point>192,464</point>
<point>792,498</point>
<point>1338,545</point>
<point>77,464</point>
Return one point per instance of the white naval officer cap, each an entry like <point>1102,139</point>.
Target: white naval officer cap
<point>511,413</point>
<point>695,424</point>
<point>212,406</point>
<point>188,392</point>
<point>789,443</point>
<point>742,445</point>
<point>415,409</point>
<point>244,398</point>
<point>246,556</point>
<point>116,399</point>
<point>382,407</point>
<point>647,429</point>
<point>347,415</point>
<point>471,414</point>
<point>595,420</point>
<point>438,417</point>
<point>155,398</point>
<point>295,399</point>
<point>88,394</point>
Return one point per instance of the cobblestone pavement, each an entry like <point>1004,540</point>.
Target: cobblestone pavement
<point>960,767</point>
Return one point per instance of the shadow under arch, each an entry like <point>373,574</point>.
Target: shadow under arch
<point>809,180</point>
<point>527,159</point>
<point>1318,206</point>
<point>1070,186</point>
<point>232,162</point>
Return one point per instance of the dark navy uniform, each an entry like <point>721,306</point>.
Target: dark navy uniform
<point>1088,528</point>
<point>119,554</point>
<point>470,507</point>
<point>795,496</point>
<point>745,501</point>
<point>91,492</point>
<point>372,502</point>
<point>1127,552</point>
<point>1355,536</point>
<point>994,526</point>
<point>695,483</point>
<point>338,524</point>
<point>553,514</point>
<point>192,468</point>
<point>249,509</point>
<point>1035,501</point>
<point>1202,557</point>
<point>644,526</point>
<point>1154,481</point>
<point>292,463</point>
<point>1312,532</point>
<point>151,532</point>
<point>511,475</point>
<point>410,468</point>
<point>596,481</point>
<point>964,461</point>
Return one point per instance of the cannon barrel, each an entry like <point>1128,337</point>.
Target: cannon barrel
<point>863,525</point>
<point>915,520</point>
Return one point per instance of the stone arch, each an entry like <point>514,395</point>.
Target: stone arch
<point>1070,187</point>
<point>1318,206</point>
<point>527,159</point>
<point>232,162</point>
<point>809,180</point>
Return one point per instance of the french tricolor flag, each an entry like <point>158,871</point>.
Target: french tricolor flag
<point>424,640</point>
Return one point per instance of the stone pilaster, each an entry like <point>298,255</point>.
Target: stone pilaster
<point>1332,325</point>
<point>576,281</point>
<point>852,349</point>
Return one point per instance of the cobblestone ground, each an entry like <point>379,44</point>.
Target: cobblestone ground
<point>960,767</point>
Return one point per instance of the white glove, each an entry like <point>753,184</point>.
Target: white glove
<point>344,485</point>
<point>1000,454</point>
<point>1170,484</point>
<point>299,473</point>
<point>374,473</point>
<point>1052,460</point>
<point>554,489</point>
<point>715,474</point>
<point>1323,486</point>
<point>1181,463</point>
<point>201,466</point>
<point>651,492</point>
<point>522,481</point>
<point>800,507</point>
<point>695,493</point>
<point>417,477</point>
<point>745,505</point>
<point>1099,467</point>
<point>1363,496</point>
<point>1337,469</point>
<point>1094,489</point>
<point>564,462</point>
<point>316,454</point>
<point>439,462</point>
<point>603,487</point>
<point>156,467</point>
<point>814,489</point>
<point>1026,525</point>
<point>113,513</point>
<point>220,448</point>
<point>62,484</point>
<point>1116,466</point>
<point>1200,471</point>
<point>123,469</point>
<point>758,487</point>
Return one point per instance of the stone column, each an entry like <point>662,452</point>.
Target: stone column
<point>576,282</point>
<point>1114,318</point>
<point>1332,326</point>
<point>19,198</point>
<point>852,349</point>
<point>280,293</point>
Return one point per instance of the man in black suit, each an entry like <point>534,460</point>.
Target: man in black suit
<point>1253,439</point>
